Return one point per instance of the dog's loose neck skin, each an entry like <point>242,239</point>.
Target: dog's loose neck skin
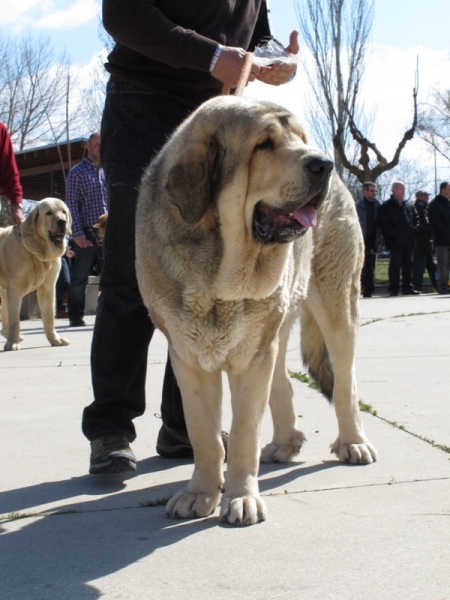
<point>42,252</point>
<point>248,270</point>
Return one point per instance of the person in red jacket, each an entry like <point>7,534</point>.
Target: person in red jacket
<point>9,176</point>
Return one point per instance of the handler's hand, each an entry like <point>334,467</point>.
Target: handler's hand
<point>229,67</point>
<point>82,242</point>
<point>278,74</point>
<point>16,216</point>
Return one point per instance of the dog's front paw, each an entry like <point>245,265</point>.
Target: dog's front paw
<point>11,346</point>
<point>359,453</point>
<point>188,505</point>
<point>285,452</point>
<point>57,341</point>
<point>247,510</point>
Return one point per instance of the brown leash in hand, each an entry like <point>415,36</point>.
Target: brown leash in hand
<point>242,79</point>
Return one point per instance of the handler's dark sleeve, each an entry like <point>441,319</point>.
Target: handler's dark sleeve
<point>262,27</point>
<point>141,26</point>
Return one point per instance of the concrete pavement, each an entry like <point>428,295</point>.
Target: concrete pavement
<point>334,531</point>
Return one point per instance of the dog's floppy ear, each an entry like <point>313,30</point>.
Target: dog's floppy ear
<point>29,226</point>
<point>190,183</point>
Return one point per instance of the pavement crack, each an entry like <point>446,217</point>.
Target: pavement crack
<point>402,315</point>
<point>16,515</point>
<point>351,487</point>
<point>367,408</point>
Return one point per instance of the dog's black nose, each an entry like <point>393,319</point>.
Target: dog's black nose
<point>320,167</point>
<point>61,222</point>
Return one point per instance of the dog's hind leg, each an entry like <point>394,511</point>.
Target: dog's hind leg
<point>328,346</point>
<point>4,314</point>
<point>287,439</point>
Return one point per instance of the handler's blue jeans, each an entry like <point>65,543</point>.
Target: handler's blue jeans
<point>135,125</point>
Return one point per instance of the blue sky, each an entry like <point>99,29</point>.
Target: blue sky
<point>403,30</point>
<point>73,25</point>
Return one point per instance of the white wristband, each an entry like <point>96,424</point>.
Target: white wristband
<point>215,58</point>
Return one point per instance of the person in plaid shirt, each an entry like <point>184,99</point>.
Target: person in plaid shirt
<point>86,200</point>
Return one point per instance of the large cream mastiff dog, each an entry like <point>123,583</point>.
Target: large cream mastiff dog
<point>241,229</point>
<point>30,260</point>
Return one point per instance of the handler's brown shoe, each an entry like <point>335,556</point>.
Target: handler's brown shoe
<point>173,444</point>
<point>111,454</point>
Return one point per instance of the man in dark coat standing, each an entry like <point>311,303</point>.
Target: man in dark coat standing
<point>398,220</point>
<point>423,244</point>
<point>439,213</point>
<point>367,209</point>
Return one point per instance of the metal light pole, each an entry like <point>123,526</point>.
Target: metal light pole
<point>435,173</point>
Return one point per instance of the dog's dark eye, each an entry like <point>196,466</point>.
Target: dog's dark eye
<point>266,145</point>
<point>49,214</point>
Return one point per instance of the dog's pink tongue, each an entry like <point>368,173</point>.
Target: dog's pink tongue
<point>307,216</point>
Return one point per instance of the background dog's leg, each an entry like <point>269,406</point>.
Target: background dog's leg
<point>4,313</point>
<point>287,439</point>
<point>241,502</point>
<point>46,300</point>
<point>202,398</point>
<point>339,327</point>
<point>12,325</point>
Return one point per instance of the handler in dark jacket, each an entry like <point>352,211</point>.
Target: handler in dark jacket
<point>439,213</point>
<point>423,244</point>
<point>169,57</point>
<point>398,220</point>
<point>367,209</point>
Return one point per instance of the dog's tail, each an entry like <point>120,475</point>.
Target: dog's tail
<point>315,354</point>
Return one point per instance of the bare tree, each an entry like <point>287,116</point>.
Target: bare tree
<point>337,33</point>
<point>434,123</point>
<point>93,97</point>
<point>33,90</point>
<point>413,174</point>
<point>366,170</point>
<point>411,171</point>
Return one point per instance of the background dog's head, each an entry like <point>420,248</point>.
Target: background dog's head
<point>47,226</point>
<point>99,228</point>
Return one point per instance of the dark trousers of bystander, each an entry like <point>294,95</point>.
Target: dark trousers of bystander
<point>136,123</point>
<point>368,274</point>
<point>62,283</point>
<point>81,267</point>
<point>400,260</point>
<point>420,263</point>
<point>443,265</point>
